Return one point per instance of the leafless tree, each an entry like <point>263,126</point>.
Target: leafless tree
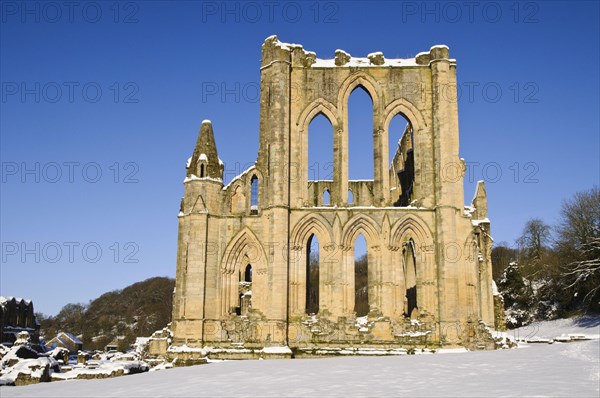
<point>579,245</point>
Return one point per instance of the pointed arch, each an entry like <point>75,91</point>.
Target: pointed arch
<point>359,124</point>
<point>413,254</point>
<point>244,243</point>
<point>361,276</point>
<point>409,265</point>
<point>238,200</point>
<point>364,225</point>
<point>254,189</point>
<point>312,224</point>
<point>400,158</point>
<point>356,79</point>
<point>374,90</point>
<point>358,224</point>
<point>318,106</point>
<point>248,273</point>
<point>309,226</point>
<point>312,274</point>
<point>326,197</point>
<point>244,250</point>
<point>410,226</point>
<point>408,110</point>
<point>319,137</point>
<point>418,126</point>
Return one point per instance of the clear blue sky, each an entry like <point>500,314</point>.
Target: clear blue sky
<point>85,91</point>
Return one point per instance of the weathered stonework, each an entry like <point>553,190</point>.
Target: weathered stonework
<point>499,320</point>
<point>242,248</point>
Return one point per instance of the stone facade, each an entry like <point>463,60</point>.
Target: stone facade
<point>243,248</point>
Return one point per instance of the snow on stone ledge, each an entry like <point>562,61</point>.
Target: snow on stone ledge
<point>364,62</point>
<point>207,350</point>
<point>185,348</point>
<point>193,177</point>
<point>354,61</point>
<point>413,334</point>
<point>236,178</point>
<point>376,53</point>
<point>105,368</point>
<point>278,43</point>
<point>482,221</point>
<point>276,350</point>
<point>468,211</point>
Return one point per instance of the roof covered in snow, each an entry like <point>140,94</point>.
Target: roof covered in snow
<point>5,299</point>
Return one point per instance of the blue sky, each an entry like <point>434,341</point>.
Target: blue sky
<point>120,89</point>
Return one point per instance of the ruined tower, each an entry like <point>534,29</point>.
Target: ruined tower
<point>243,248</point>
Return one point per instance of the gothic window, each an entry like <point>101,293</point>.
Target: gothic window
<point>254,195</point>
<point>320,149</point>
<point>402,162</point>
<point>361,276</point>
<point>410,277</point>
<point>326,197</point>
<point>360,135</point>
<point>248,273</point>
<point>312,275</point>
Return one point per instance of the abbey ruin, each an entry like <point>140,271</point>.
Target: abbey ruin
<point>245,284</point>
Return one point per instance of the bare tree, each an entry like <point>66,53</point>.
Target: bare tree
<point>534,239</point>
<point>579,246</point>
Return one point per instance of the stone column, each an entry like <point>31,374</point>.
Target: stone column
<point>381,184</point>
<point>449,202</point>
<point>274,163</point>
<point>340,162</point>
<point>374,280</point>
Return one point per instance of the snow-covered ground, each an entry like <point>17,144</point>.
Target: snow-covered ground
<point>559,369</point>
<point>587,325</point>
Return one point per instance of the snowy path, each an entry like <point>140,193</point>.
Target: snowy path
<point>570,369</point>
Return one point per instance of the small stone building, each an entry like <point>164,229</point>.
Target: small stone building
<point>66,340</point>
<point>112,346</point>
<point>243,259</point>
<point>17,315</point>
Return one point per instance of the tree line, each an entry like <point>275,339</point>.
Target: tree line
<point>122,315</point>
<point>553,271</point>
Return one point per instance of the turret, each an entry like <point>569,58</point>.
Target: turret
<point>204,175</point>
<point>205,162</point>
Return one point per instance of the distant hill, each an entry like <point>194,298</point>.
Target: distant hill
<point>135,311</point>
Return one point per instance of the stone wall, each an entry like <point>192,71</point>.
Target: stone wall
<point>429,242</point>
